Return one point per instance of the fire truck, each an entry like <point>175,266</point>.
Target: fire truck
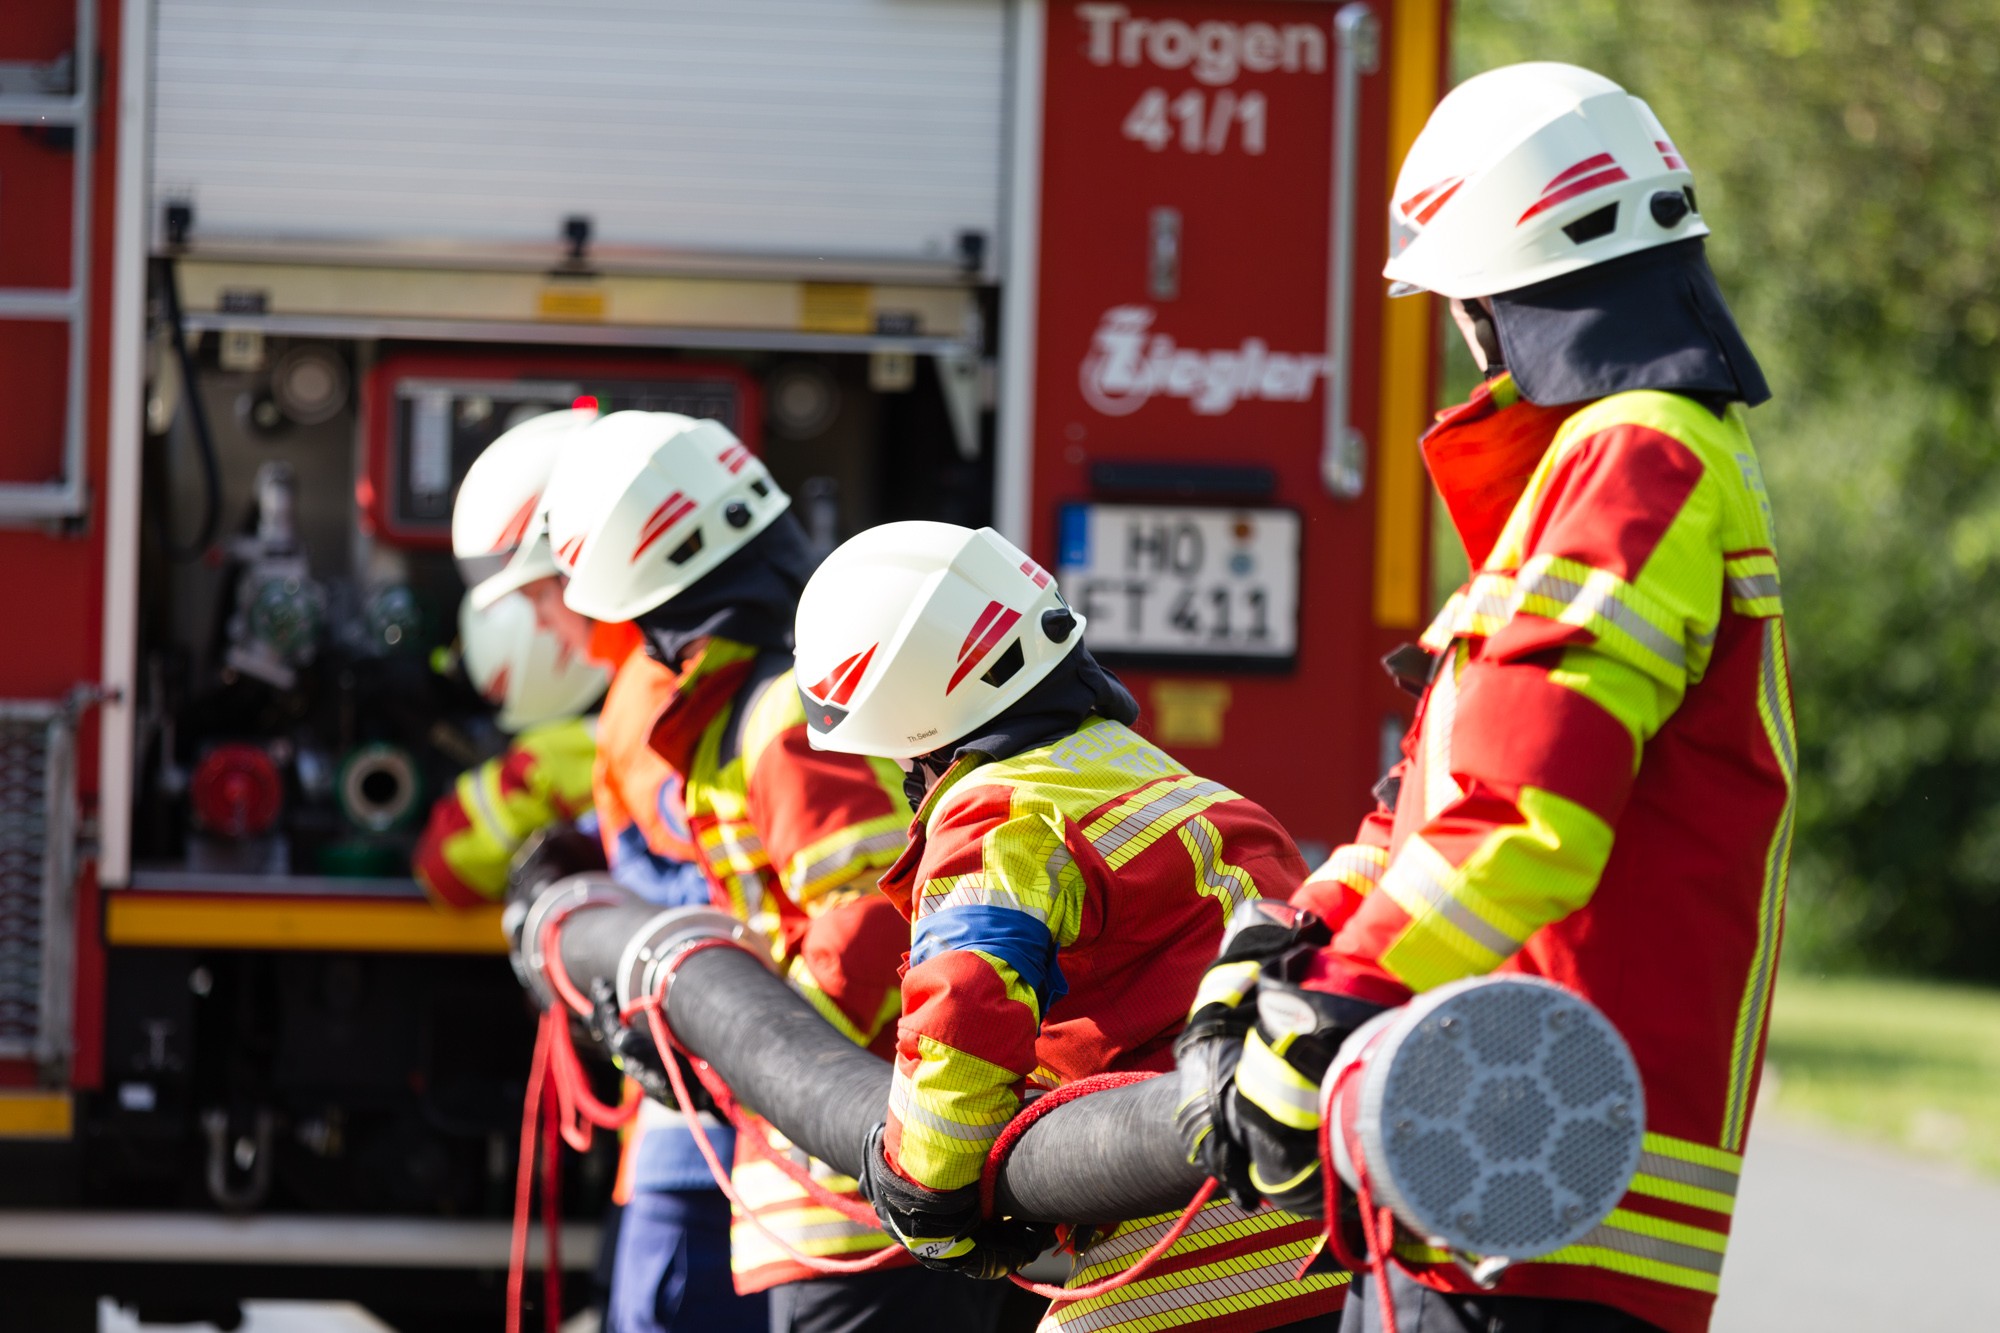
<point>1104,275</point>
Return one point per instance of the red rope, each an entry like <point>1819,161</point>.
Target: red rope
<point>818,1264</point>
<point>1011,1133</point>
<point>524,1185</point>
<point>1378,1225</point>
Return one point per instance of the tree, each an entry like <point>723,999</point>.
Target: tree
<point>1847,156</point>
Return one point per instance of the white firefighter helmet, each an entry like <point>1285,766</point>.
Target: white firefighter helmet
<point>521,667</point>
<point>911,635</point>
<point>653,501</point>
<point>1529,172</point>
<point>496,526</point>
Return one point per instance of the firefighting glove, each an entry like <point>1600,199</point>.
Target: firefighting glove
<point>943,1227</point>
<point>1274,1106</point>
<point>1223,1014</point>
<point>632,1050</point>
<point>549,854</point>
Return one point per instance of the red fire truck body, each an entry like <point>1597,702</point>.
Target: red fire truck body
<point>1105,275</point>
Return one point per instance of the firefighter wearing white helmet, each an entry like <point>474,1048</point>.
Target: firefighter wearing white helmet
<point>664,500</point>
<point>543,778</point>
<point>530,673</point>
<point>673,525</point>
<point>1066,885</point>
<point>496,518</point>
<point>1599,784</point>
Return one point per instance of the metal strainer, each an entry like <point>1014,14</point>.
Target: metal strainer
<point>1499,1117</point>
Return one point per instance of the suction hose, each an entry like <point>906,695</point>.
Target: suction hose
<point>1104,1158</point>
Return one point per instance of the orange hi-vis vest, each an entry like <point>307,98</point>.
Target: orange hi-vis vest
<point>791,840</point>
<point>1064,904</point>
<point>1598,789</point>
<point>474,829</point>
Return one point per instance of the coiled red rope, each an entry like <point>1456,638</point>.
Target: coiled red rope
<point>1378,1225</point>
<point>560,1098</point>
<point>1011,1133</point>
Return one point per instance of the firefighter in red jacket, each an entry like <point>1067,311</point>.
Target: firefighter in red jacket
<point>1598,786</point>
<point>1066,884</point>
<point>673,525</point>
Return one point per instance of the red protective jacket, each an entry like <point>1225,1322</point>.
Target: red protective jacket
<point>1598,789</point>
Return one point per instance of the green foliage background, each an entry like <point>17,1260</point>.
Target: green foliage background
<point>1847,158</point>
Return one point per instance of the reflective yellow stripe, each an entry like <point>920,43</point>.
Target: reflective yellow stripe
<point>1357,866</point>
<point>1225,984</point>
<point>951,1106</point>
<point>1268,1082</point>
<point>1195,1295</point>
<point>804,983</point>
<point>1571,593</point>
<point>1215,877</point>
<point>1136,823</point>
<point>1754,587</point>
<point>1440,714</point>
<point>1774,710</point>
<point>853,851</point>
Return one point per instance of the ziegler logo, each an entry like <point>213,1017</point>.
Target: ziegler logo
<point>1128,364</point>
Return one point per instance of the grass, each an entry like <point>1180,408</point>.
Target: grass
<point>1910,1064</point>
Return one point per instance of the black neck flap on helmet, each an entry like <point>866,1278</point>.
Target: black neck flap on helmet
<point>1057,705</point>
<point>752,597</point>
<point>1651,320</point>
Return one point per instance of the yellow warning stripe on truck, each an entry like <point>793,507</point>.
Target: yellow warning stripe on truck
<point>157,920</point>
<point>35,1115</point>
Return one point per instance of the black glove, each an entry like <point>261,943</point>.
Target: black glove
<point>943,1227</point>
<point>554,852</point>
<point>1274,1102</point>
<point>632,1050</point>
<point>1209,1046</point>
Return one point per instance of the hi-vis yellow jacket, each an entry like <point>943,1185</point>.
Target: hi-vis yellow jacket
<point>791,840</point>
<point>475,829</point>
<point>1598,789</point>
<point>1064,904</point>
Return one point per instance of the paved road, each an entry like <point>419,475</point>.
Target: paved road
<point>1834,1237</point>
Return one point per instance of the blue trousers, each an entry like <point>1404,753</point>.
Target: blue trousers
<point>671,1270</point>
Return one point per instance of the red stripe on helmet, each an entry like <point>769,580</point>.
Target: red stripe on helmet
<point>1670,155</point>
<point>734,457</point>
<point>570,550</point>
<point>517,526</point>
<point>1430,209</point>
<point>671,511</point>
<point>1598,181</point>
<point>838,687</point>
<point>994,621</point>
<point>1035,572</point>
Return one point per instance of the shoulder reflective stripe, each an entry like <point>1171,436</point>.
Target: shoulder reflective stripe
<point>738,844</point>
<point>1131,831</point>
<point>1269,1083</point>
<point>1225,883</point>
<point>1774,710</point>
<point>1576,594</point>
<point>1226,984</point>
<point>975,890</point>
<point>1418,881</point>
